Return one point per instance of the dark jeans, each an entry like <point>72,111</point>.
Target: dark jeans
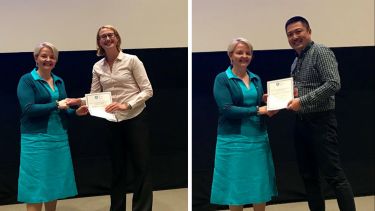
<point>130,137</point>
<point>317,150</point>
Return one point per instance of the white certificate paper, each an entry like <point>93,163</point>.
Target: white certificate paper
<point>96,103</point>
<point>280,92</point>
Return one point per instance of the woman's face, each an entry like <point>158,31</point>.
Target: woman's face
<point>46,59</point>
<point>107,38</point>
<point>241,56</point>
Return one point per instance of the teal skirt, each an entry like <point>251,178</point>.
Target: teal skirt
<point>244,171</point>
<point>46,169</point>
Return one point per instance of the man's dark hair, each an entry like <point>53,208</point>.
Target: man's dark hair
<point>298,19</point>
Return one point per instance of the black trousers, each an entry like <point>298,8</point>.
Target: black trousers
<point>130,139</point>
<point>317,150</point>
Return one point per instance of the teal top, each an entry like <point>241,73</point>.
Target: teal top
<point>55,129</point>
<point>231,102</point>
<point>249,125</point>
<point>37,104</point>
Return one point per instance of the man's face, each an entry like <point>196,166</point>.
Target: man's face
<point>298,36</point>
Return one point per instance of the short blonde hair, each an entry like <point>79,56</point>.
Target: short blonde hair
<point>232,45</point>
<point>46,45</point>
<point>99,50</point>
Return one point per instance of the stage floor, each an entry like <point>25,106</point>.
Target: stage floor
<point>177,200</point>
<point>165,200</point>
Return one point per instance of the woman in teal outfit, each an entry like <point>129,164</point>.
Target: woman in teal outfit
<point>244,171</point>
<point>46,170</point>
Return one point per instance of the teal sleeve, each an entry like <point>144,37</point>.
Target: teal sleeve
<point>225,103</point>
<point>26,97</point>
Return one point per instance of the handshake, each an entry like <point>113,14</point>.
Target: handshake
<point>68,102</point>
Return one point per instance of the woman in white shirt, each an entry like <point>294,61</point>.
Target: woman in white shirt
<point>125,77</point>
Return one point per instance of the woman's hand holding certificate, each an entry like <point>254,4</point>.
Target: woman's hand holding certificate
<point>97,102</point>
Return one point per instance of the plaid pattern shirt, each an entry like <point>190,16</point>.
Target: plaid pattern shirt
<point>315,74</point>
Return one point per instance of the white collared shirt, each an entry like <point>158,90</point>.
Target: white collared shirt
<point>128,83</point>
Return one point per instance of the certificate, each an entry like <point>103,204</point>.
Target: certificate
<point>280,92</point>
<point>96,103</point>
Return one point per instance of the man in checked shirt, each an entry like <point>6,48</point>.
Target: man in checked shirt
<point>316,79</point>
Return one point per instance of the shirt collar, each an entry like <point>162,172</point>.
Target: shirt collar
<point>121,56</point>
<point>231,75</point>
<point>37,77</point>
<point>305,49</point>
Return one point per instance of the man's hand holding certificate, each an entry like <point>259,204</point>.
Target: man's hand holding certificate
<point>280,92</point>
<point>97,102</point>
